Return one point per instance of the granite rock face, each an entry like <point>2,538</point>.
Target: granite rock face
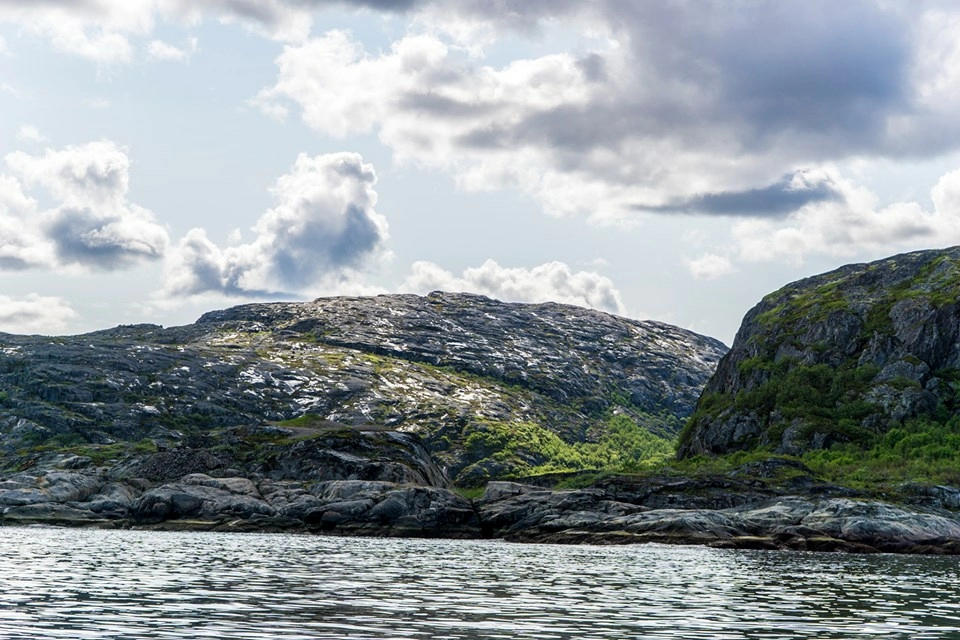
<point>840,357</point>
<point>433,370</point>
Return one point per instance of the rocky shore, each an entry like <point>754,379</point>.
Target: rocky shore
<point>664,510</point>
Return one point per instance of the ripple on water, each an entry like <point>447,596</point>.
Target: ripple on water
<point>61,583</point>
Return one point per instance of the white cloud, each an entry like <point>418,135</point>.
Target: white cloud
<point>29,133</point>
<point>96,30</point>
<point>107,31</point>
<point>34,314</point>
<point>163,51</point>
<point>669,103</point>
<point>22,245</point>
<point>936,62</point>
<point>98,46</point>
<point>710,266</point>
<point>549,282</point>
<point>93,224</point>
<point>96,173</point>
<point>437,108</point>
<point>856,225</point>
<point>276,19</point>
<point>322,230</point>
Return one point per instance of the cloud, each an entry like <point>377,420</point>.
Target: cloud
<point>428,103</point>
<point>687,107</point>
<point>22,245</point>
<point>322,229</point>
<point>783,197</point>
<point>95,173</point>
<point>106,31</point>
<point>163,51</point>
<point>284,20</point>
<point>97,31</point>
<point>673,107</point>
<point>710,266</point>
<point>853,225</point>
<point>549,282</point>
<point>34,314</point>
<point>93,225</point>
<point>29,133</point>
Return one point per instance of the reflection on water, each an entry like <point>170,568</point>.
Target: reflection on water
<point>60,583</point>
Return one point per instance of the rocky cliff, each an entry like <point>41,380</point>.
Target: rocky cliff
<point>374,388</point>
<point>843,357</point>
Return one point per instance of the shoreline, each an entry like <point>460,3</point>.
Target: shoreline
<point>508,511</point>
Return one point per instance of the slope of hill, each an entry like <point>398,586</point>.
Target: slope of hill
<point>492,389</point>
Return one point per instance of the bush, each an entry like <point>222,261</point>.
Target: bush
<point>921,450</point>
<point>530,449</point>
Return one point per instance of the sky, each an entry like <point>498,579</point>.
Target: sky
<point>670,160</point>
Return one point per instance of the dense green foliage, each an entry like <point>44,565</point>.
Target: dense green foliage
<point>827,399</point>
<point>531,449</point>
<point>922,450</point>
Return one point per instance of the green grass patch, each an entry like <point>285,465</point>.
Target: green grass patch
<point>470,493</point>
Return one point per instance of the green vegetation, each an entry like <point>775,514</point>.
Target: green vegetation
<point>826,399</point>
<point>810,306</point>
<point>938,282</point>
<point>470,493</point>
<point>307,420</point>
<point>732,463</point>
<point>922,450</point>
<point>832,401</point>
<point>73,444</point>
<point>530,449</point>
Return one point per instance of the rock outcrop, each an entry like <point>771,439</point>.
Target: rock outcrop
<point>842,357</point>
<point>719,511</point>
<point>199,501</point>
<point>531,514</point>
<point>443,368</point>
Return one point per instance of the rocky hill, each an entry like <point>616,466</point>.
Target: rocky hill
<point>389,388</point>
<point>865,352</point>
<point>354,416</point>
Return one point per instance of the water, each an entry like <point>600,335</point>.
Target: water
<point>61,583</point>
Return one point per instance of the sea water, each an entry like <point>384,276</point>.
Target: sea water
<point>82,583</point>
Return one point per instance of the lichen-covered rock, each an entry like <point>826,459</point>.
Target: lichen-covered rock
<point>441,367</point>
<point>839,357</point>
